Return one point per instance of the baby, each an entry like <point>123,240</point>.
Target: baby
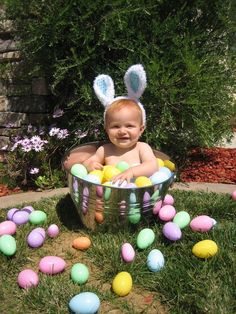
<point>124,122</point>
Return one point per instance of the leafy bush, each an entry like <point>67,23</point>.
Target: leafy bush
<point>184,46</point>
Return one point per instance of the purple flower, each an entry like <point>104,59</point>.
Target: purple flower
<point>38,147</point>
<point>57,112</point>
<point>34,170</point>
<point>54,131</point>
<point>35,139</point>
<point>31,128</point>
<point>81,134</point>
<point>63,133</point>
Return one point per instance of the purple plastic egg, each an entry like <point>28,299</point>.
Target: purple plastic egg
<point>20,217</point>
<point>27,278</point>
<point>202,223</point>
<point>29,209</point>
<point>7,227</point>
<point>172,231</point>
<point>167,212</point>
<point>52,265</point>
<point>130,185</point>
<point>36,237</point>
<point>11,212</point>
<point>53,231</point>
<point>157,207</point>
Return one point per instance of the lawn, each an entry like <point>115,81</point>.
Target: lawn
<point>186,284</point>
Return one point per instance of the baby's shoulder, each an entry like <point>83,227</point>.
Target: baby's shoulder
<point>142,145</point>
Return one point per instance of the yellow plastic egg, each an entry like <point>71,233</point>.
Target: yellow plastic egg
<point>98,173</point>
<point>142,181</point>
<point>81,243</point>
<point>205,249</point>
<point>160,162</point>
<point>109,173</point>
<point>122,283</point>
<point>169,164</point>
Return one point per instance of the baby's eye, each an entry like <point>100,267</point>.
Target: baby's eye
<point>130,126</point>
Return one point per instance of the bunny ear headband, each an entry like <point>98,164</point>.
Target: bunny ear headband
<point>135,82</point>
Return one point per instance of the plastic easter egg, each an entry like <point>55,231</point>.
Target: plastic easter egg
<point>166,171</point>
<point>122,283</point>
<point>36,237</point>
<point>159,177</point>
<point>160,162</point>
<point>79,273</point>
<point>78,170</point>
<point>146,197</point>
<point>52,265</point>
<point>142,181</point>
<point>28,208</point>
<point>81,243</point>
<point>53,231</point>
<point>37,217</point>
<point>98,173</point>
<point>92,178</point>
<point>11,212</point>
<point>167,213</point>
<point>134,215</point>
<point>182,219</point>
<point>27,278</point>
<point>127,252</point>
<point>84,303</point>
<point>157,207</point>
<point>7,245</point>
<point>122,166</point>
<point>131,185</point>
<point>233,195</point>
<point>205,249</point>
<point>145,238</point>
<point>20,217</point>
<point>172,231</point>
<point>132,198</point>
<point>107,191</point>
<point>109,173</point>
<point>155,260</point>
<point>155,196</point>
<point>170,165</point>
<point>99,217</point>
<point>168,200</point>
<point>202,223</point>
<point>99,191</point>
<point>7,227</point>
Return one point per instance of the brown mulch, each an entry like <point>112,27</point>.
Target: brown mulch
<point>212,165</point>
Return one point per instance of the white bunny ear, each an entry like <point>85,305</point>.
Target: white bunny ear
<point>104,89</point>
<point>135,81</point>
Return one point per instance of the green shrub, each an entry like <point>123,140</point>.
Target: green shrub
<point>184,46</point>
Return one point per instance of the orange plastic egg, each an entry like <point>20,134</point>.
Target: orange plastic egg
<point>99,217</point>
<point>81,243</point>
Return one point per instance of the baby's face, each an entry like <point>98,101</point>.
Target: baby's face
<point>124,127</point>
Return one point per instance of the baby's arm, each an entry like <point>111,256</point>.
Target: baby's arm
<point>147,167</point>
<point>96,161</point>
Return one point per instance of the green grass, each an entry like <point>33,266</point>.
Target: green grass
<point>185,285</point>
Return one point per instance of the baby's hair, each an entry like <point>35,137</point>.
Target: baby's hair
<point>123,103</point>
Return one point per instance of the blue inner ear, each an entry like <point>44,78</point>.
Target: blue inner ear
<point>102,85</point>
<point>134,81</point>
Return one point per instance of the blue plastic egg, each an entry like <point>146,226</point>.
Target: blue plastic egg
<point>84,303</point>
<point>155,260</point>
<point>92,178</point>
<point>166,171</point>
<point>159,177</point>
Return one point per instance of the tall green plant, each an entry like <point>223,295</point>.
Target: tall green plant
<point>183,45</point>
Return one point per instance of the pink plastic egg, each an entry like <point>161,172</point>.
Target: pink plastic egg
<point>27,278</point>
<point>53,231</point>
<point>202,223</point>
<point>168,200</point>
<point>36,237</point>
<point>127,252</point>
<point>11,212</point>
<point>52,265</point>
<point>233,195</point>
<point>157,207</point>
<point>172,231</point>
<point>167,212</point>
<point>7,227</point>
<point>20,217</point>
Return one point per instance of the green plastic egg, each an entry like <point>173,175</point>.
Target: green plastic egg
<point>182,219</point>
<point>79,273</point>
<point>122,166</point>
<point>79,170</point>
<point>134,215</point>
<point>37,217</point>
<point>145,238</point>
<point>7,245</point>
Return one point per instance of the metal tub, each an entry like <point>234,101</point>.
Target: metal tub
<point>100,205</point>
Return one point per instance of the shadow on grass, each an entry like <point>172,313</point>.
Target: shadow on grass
<point>68,214</point>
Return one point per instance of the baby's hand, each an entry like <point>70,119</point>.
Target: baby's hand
<point>94,165</point>
<point>127,175</point>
